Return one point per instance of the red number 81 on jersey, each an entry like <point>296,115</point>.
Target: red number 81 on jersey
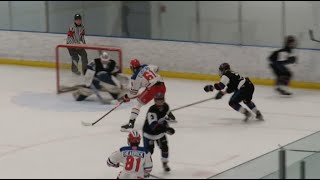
<point>130,163</point>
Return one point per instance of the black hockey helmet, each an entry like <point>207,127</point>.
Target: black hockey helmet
<point>77,16</point>
<point>159,96</point>
<point>159,99</point>
<point>290,42</point>
<point>224,67</point>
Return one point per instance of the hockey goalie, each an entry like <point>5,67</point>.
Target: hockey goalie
<point>102,78</point>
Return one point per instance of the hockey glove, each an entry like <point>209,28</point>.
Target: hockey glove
<point>208,88</point>
<point>292,60</point>
<point>125,98</point>
<point>219,95</point>
<point>170,131</point>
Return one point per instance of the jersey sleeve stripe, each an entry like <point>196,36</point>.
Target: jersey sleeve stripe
<point>111,163</point>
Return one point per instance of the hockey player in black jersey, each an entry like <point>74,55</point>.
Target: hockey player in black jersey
<point>241,87</point>
<point>156,127</point>
<point>278,61</point>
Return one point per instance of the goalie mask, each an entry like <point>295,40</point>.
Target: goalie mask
<point>104,59</point>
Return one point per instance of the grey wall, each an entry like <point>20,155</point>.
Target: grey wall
<point>236,22</point>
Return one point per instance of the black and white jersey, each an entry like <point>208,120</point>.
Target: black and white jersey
<point>155,124</point>
<point>76,34</point>
<point>231,80</point>
<point>283,56</point>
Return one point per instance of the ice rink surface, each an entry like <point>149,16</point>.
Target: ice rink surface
<point>41,135</point>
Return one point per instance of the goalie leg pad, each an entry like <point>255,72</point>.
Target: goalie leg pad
<point>82,93</point>
<point>104,82</point>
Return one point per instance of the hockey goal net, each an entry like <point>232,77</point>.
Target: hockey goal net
<point>70,77</point>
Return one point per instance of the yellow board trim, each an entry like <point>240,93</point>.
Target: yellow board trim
<point>179,75</point>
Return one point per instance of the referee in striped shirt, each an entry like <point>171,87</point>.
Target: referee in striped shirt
<point>76,36</point>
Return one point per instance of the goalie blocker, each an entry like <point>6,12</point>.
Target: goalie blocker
<point>102,76</point>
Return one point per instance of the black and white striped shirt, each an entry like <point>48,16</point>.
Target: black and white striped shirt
<point>76,34</point>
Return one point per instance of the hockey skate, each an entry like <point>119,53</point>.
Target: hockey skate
<point>259,116</point>
<point>128,127</point>
<point>248,115</point>
<point>283,92</point>
<point>166,168</point>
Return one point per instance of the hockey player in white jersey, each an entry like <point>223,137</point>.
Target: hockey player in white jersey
<point>144,76</point>
<point>136,161</point>
<point>102,76</point>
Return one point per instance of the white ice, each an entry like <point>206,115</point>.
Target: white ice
<point>41,135</point>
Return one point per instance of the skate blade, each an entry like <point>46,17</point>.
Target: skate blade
<point>250,118</point>
<point>126,130</point>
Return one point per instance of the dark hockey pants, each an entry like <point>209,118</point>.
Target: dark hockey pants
<point>244,94</point>
<point>162,143</point>
<point>75,53</point>
<point>282,73</point>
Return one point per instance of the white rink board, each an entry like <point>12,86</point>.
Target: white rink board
<point>173,56</point>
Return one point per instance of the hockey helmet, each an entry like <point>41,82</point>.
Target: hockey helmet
<point>104,56</point>
<point>290,42</point>
<point>159,99</point>
<point>224,67</point>
<point>77,16</point>
<point>134,138</point>
<point>134,65</point>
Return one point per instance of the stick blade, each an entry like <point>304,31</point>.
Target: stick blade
<point>311,34</point>
<point>86,123</point>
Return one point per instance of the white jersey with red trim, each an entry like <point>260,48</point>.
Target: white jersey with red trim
<point>136,162</point>
<point>146,77</point>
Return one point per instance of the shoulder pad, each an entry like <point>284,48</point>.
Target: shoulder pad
<point>125,148</point>
<point>143,149</point>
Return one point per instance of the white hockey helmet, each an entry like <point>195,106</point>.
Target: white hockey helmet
<point>104,56</point>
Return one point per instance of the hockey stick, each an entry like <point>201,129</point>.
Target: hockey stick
<point>92,124</point>
<point>149,174</point>
<point>96,92</point>
<point>192,104</point>
<point>115,107</point>
<point>311,35</point>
